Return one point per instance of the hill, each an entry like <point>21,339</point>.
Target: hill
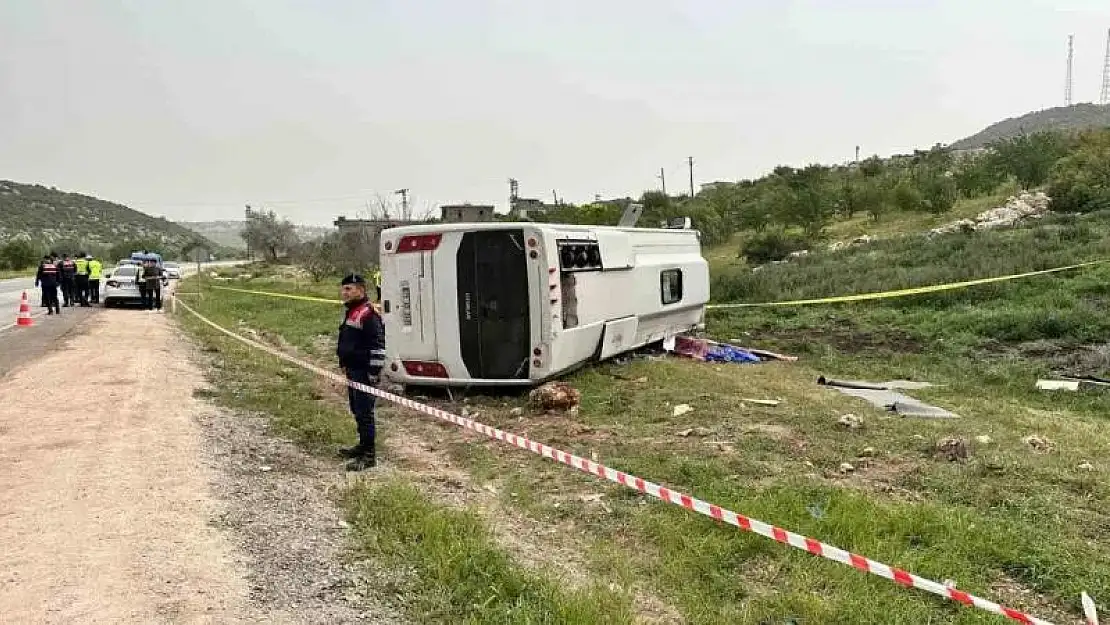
<point>52,217</point>
<point>228,232</point>
<point>1066,118</point>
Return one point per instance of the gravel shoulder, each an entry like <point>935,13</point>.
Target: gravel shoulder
<point>127,498</point>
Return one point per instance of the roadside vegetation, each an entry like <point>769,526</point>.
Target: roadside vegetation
<point>1018,513</point>
<point>1014,521</point>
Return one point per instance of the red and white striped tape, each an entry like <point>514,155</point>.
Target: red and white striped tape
<point>715,512</point>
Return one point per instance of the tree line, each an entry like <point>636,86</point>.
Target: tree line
<point>790,208</point>
<point>23,253</point>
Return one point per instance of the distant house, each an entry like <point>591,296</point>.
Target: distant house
<point>524,208</point>
<point>454,213</point>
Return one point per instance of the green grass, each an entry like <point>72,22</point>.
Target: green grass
<point>1023,528</point>
<point>463,576</point>
<point>6,274</point>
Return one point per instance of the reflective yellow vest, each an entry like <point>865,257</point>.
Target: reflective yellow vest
<point>82,266</point>
<point>378,278</point>
<point>95,269</point>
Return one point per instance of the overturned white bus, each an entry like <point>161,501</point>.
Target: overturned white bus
<point>472,304</point>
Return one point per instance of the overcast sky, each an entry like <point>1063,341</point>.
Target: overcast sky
<point>311,107</point>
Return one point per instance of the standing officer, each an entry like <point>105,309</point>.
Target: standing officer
<point>69,279</point>
<point>378,282</point>
<point>81,288</point>
<point>150,278</point>
<point>361,353</point>
<point>47,278</point>
<point>96,270</point>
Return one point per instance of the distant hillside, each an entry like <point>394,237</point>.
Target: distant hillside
<point>227,232</point>
<point>1076,117</point>
<point>52,217</point>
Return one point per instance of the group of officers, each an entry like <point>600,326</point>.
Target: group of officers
<point>78,278</point>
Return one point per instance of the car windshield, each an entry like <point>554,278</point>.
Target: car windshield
<point>125,272</point>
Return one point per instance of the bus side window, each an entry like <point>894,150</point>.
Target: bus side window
<point>670,286</point>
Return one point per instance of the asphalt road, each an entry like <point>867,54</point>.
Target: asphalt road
<point>11,292</point>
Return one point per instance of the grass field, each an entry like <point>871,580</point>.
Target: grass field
<point>6,274</point>
<point>1020,524</point>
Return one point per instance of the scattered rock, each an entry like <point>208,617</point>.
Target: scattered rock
<point>681,409</point>
<point>555,396</point>
<point>983,439</point>
<point>1022,206</point>
<point>798,254</point>
<point>516,412</point>
<point>1086,466</point>
<point>698,431</point>
<point>850,421</point>
<point>1038,443</point>
<point>951,449</point>
<point>847,467</point>
<point>868,452</point>
<point>265,468</point>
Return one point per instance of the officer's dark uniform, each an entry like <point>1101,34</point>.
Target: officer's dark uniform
<point>361,353</point>
<point>69,280</point>
<point>47,278</point>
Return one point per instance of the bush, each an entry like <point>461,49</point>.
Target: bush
<point>907,197</point>
<point>18,255</point>
<point>772,245</point>
<point>1080,183</point>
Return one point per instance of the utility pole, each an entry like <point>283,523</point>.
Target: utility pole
<point>1068,80</point>
<point>555,197</point>
<point>247,225</point>
<point>857,155</point>
<point>690,159</point>
<point>663,179</point>
<point>1104,97</point>
<point>404,193</point>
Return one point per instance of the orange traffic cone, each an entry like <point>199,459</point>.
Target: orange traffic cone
<point>25,319</point>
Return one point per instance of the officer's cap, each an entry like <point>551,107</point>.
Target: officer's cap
<point>353,278</point>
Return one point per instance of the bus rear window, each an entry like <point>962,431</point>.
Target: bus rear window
<point>670,286</point>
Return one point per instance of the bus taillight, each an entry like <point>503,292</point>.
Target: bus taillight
<point>422,369</point>
<point>418,243</point>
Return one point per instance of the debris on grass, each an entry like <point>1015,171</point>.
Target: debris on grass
<point>847,467</point>
<point>710,351</point>
<point>1039,443</point>
<point>882,395</point>
<point>682,409</point>
<point>868,452</point>
<point>555,396</point>
<point>1058,385</point>
<point>761,402</point>
<point>765,354</point>
<point>1085,466</point>
<point>951,449</point>
<point>698,431</point>
<point>983,439</point>
<point>850,421</point>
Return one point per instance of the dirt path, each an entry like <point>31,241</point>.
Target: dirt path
<point>126,499</point>
<point>104,508</point>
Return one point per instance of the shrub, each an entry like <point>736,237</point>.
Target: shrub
<point>772,245</point>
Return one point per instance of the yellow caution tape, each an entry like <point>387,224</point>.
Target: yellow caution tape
<point>904,292</point>
<point>303,298</point>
